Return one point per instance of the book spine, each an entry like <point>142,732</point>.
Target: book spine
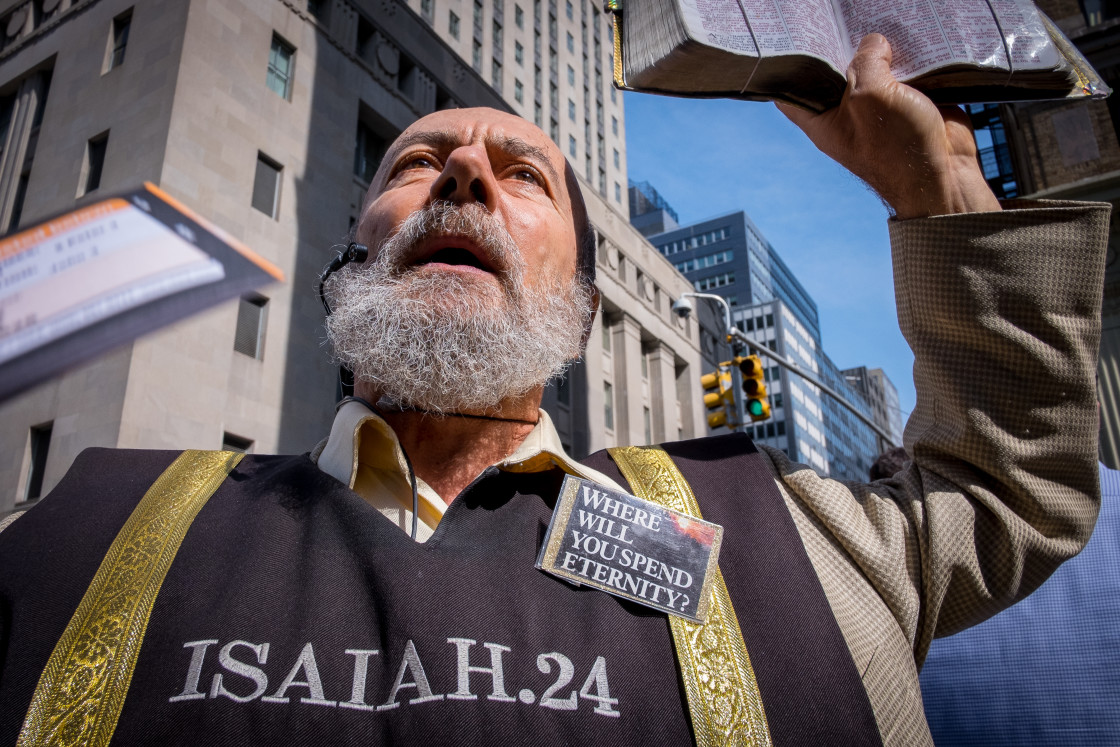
<point>614,7</point>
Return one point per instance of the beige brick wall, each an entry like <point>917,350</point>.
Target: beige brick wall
<point>1066,142</point>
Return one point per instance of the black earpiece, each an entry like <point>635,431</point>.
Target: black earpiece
<point>354,252</point>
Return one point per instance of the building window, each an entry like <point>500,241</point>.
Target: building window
<point>618,193</point>
<point>518,53</point>
<point>453,24</point>
<point>649,428</point>
<point>614,125</point>
<point>252,316</point>
<point>572,145</point>
<point>564,390</point>
<point>608,405</point>
<point>571,75</point>
<point>568,10</point>
<point>1098,11</point>
<point>571,110</point>
<point>280,60</point>
<point>645,366</point>
<point>496,75</point>
<point>571,43</point>
<point>427,10</point>
<point>40,444</point>
<point>368,151</point>
<point>118,40</point>
<point>518,91</point>
<point>476,55</point>
<point>614,95</point>
<point>266,186</point>
<point>318,9</point>
<point>230,442</point>
<point>519,16</point>
<point>715,281</point>
<point>94,163</point>
<point>17,204</point>
<point>538,114</point>
<point>606,338</point>
<point>603,183</point>
<point>497,36</point>
<point>617,159</point>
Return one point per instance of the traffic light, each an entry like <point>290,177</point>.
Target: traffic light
<point>718,395</point>
<point>754,387</point>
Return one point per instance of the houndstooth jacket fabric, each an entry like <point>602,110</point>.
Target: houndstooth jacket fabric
<point>1002,311</point>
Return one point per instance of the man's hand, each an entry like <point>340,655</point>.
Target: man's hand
<point>919,157</point>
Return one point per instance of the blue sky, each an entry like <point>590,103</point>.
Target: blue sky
<point>709,157</point>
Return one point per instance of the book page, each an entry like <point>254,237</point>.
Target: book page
<point>719,23</point>
<point>797,27</point>
<point>768,28</point>
<point>917,37</point>
<point>928,34</point>
<point>1030,44</point>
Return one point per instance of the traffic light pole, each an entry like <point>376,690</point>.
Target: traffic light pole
<point>792,367</point>
<point>737,339</point>
<point>737,383</point>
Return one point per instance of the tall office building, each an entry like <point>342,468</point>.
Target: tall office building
<point>881,395</point>
<point>1070,150</point>
<point>269,117</point>
<point>729,256</point>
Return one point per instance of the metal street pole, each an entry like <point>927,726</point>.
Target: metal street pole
<point>735,336</point>
<point>794,368</point>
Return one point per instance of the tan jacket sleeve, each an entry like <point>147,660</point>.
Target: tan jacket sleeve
<point>1002,311</point>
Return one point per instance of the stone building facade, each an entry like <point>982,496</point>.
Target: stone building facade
<point>267,117</point>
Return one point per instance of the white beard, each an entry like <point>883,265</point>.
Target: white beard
<point>446,341</point>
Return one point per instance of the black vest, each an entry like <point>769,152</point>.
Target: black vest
<point>296,613</point>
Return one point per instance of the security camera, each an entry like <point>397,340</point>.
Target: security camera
<point>682,307</point>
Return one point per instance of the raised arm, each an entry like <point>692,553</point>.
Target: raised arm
<point>919,158</point>
<point>1002,311</point>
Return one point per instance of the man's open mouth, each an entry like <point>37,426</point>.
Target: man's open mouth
<point>456,256</point>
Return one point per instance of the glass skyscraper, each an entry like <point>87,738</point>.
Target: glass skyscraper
<point>729,256</point>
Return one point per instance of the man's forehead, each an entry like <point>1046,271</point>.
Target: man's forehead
<point>455,127</point>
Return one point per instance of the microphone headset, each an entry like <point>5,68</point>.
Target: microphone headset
<point>356,252</point>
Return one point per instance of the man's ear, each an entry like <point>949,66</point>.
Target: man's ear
<point>595,298</point>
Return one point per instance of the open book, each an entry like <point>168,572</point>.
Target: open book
<point>956,51</point>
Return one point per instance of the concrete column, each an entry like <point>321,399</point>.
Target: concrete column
<point>629,426</point>
<point>28,100</point>
<point>663,392</point>
<point>693,415</point>
<point>592,389</point>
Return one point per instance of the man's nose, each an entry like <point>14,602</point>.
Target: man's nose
<point>467,177</point>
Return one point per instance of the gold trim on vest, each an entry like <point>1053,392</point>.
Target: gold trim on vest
<point>723,697</point>
<point>82,690</point>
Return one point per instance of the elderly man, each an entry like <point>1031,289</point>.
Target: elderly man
<point>166,598</point>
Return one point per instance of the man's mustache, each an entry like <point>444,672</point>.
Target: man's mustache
<point>441,219</point>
